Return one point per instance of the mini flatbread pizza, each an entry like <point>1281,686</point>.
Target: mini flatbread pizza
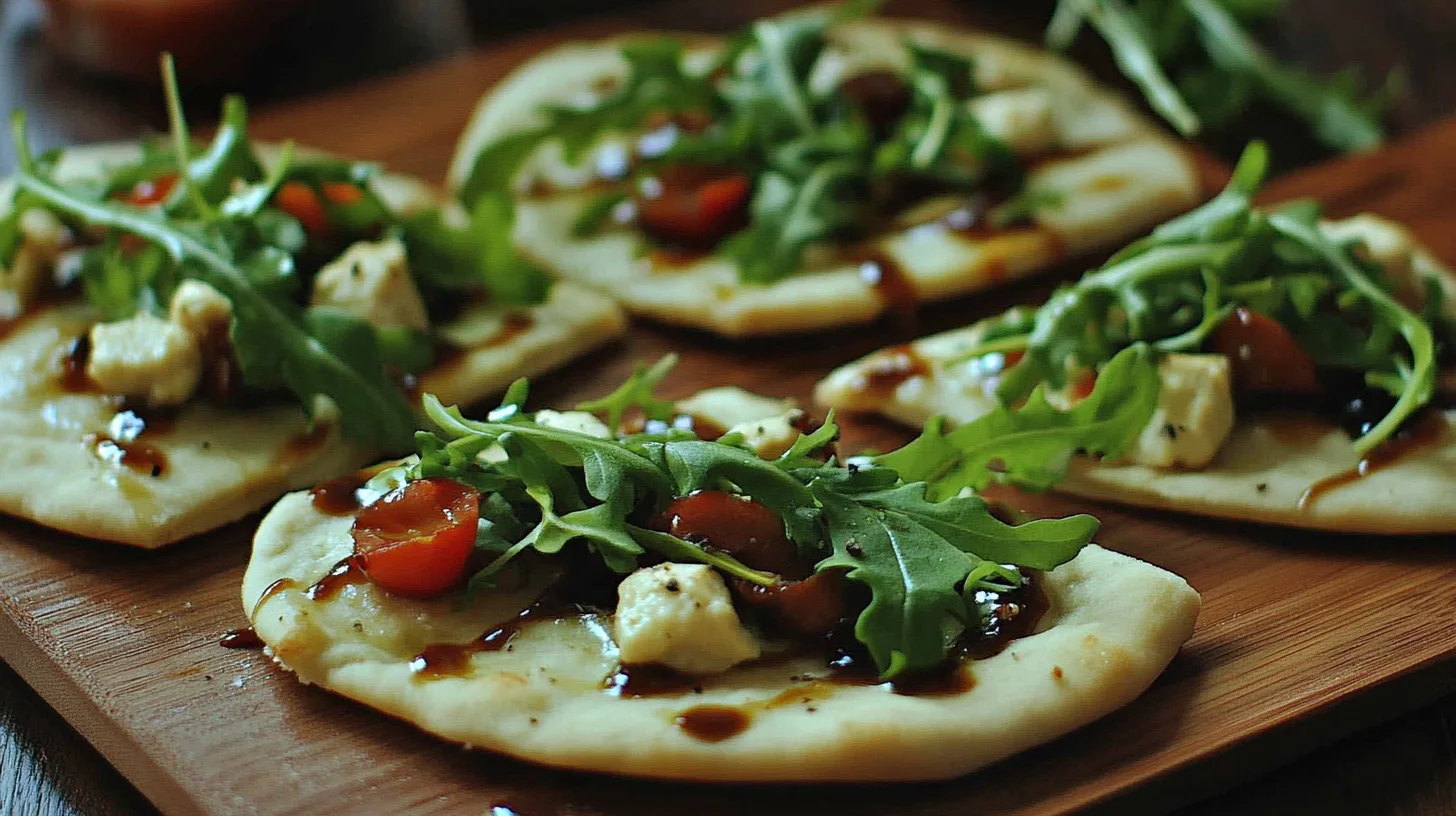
<point>1262,365</point>
<point>179,349</point>
<point>736,607</point>
<point>812,171</point>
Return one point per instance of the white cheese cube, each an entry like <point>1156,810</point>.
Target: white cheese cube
<point>728,406</point>
<point>43,239</point>
<point>201,310</point>
<point>579,421</point>
<point>1195,412</point>
<point>1020,118</point>
<point>371,281</point>
<point>145,356</point>
<point>680,616</point>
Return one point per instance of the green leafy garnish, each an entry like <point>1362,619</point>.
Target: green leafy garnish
<point>923,561</point>
<point>1197,65</point>
<point>636,392</point>
<point>1031,446</point>
<point>273,347</point>
<point>223,222</point>
<point>820,171</point>
<point>1170,291</point>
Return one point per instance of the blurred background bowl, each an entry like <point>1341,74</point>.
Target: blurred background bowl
<point>212,40</point>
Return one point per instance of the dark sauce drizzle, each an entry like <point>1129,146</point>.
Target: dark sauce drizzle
<point>713,723</point>
<point>345,573</point>
<point>74,379</point>
<point>339,497</point>
<point>1424,430</point>
<point>139,457</point>
<point>891,367</point>
<point>892,286</point>
<point>241,639</point>
<point>580,590</point>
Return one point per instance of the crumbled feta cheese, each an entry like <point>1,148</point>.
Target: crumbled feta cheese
<point>145,356</point>
<point>1021,118</point>
<point>727,406</point>
<point>201,310</point>
<point>579,421</point>
<point>1195,412</point>
<point>770,437</point>
<point>43,239</point>
<point>371,281</point>
<point>680,616</point>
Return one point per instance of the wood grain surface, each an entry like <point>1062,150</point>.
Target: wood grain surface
<point>1295,625</point>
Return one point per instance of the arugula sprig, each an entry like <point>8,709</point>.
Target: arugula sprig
<point>1197,65</point>
<point>222,223</point>
<point>819,170</point>
<point>923,560</point>
<point>1170,290</point>
<point>325,355</point>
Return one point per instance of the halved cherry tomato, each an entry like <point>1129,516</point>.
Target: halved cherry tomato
<point>695,206</point>
<point>737,525</point>
<point>417,539</point>
<point>1264,355</point>
<point>152,191</point>
<point>299,200</point>
<point>1082,388</point>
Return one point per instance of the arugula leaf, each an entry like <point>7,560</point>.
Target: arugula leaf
<point>1031,446</point>
<point>636,392</point>
<point>966,523</point>
<point>1218,69</point>
<point>1419,385</point>
<point>820,171</point>
<point>912,574</point>
<point>451,259</point>
<point>272,346</point>
<point>1174,288</point>
<point>923,562</point>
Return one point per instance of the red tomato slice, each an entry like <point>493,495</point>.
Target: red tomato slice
<point>737,525</point>
<point>1082,388</point>
<point>695,206</point>
<point>417,539</point>
<point>299,200</point>
<point>1264,355</point>
<point>153,191</point>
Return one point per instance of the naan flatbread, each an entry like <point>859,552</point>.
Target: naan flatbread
<point>1117,174</point>
<point>1261,472</point>
<point>1113,624</point>
<point>217,465</point>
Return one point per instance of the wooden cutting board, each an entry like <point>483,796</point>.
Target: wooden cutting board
<point>1303,637</point>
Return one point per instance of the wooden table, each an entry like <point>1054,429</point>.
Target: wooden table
<point>1408,766</point>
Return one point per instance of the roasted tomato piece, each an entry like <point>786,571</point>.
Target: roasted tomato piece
<point>882,96</point>
<point>694,205</point>
<point>299,200</point>
<point>1082,387</point>
<point>736,525</point>
<point>417,539</point>
<point>1264,355</point>
<point>152,191</point>
<point>812,606</point>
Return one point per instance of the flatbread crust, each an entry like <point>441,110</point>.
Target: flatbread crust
<point>223,464</point>
<point>1260,474</point>
<point>1114,624</point>
<point>1118,174</point>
